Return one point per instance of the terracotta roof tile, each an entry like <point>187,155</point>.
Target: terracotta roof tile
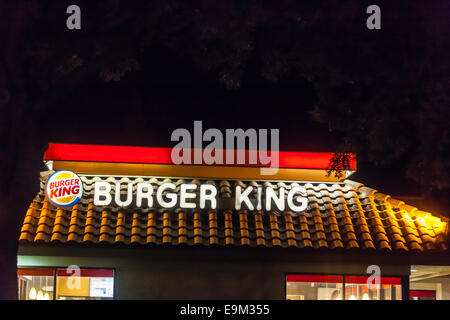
<point>340,215</point>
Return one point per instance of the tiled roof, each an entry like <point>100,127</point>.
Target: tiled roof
<point>340,215</point>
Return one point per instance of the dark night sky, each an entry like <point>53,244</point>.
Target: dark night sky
<point>170,92</point>
<point>144,112</point>
<point>183,94</point>
<point>40,60</point>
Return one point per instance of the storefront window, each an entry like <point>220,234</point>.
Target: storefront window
<point>318,287</point>
<point>314,287</point>
<point>80,284</point>
<point>389,288</point>
<point>91,284</point>
<point>35,284</point>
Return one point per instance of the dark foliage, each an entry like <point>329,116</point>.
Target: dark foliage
<point>385,92</point>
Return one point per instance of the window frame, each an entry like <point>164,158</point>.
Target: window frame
<point>55,274</point>
<point>41,275</point>
<point>344,277</point>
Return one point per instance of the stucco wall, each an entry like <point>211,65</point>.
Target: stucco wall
<point>188,273</point>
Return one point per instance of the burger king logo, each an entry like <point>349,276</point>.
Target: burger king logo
<point>64,188</point>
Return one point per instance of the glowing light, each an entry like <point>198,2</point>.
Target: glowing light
<point>365,297</point>
<point>422,221</point>
<point>102,153</point>
<point>46,296</point>
<point>40,295</point>
<point>434,222</point>
<point>32,294</point>
<point>352,297</point>
<point>407,217</point>
<point>431,222</point>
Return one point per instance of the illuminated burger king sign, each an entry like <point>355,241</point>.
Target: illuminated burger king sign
<point>64,188</point>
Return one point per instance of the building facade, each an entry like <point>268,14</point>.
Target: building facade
<point>144,228</point>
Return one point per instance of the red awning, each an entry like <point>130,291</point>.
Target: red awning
<point>150,155</point>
